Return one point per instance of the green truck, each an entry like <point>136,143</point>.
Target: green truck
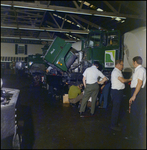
<point>102,46</point>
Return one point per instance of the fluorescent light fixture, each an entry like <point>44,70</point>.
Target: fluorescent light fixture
<point>117,18</point>
<point>69,21</point>
<point>59,17</point>
<point>78,25</point>
<point>99,9</point>
<point>54,14</point>
<point>86,3</point>
<point>8,27</point>
<point>108,16</point>
<point>122,21</point>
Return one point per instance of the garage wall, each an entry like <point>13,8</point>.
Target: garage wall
<point>8,50</point>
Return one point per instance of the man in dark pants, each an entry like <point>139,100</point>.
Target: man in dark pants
<point>105,94</point>
<point>138,100</point>
<point>117,89</point>
<point>90,77</point>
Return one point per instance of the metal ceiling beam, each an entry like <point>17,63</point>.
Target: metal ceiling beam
<point>54,20</point>
<point>75,3</point>
<point>87,22</point>
<point>21,27</point>
<point>110,6</point>
<point>76,22</point>
<point>65,9</point>
<point>63,21</point>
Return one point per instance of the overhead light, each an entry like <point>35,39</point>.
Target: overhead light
<point>86,3</point>
<point>117,18</point>
<point>122,21</point>
<point>99,9</point>
<point>54,14</point>
<point>59,17</point>
<point>69,21</point>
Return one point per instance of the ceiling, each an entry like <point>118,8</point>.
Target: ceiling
<point>70,20</point>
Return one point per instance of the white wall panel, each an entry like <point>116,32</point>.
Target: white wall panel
<point>8,49</point>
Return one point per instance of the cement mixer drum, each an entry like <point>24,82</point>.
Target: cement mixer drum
<point>135,45</point>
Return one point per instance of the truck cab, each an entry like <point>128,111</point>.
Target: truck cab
<point>102,46</point>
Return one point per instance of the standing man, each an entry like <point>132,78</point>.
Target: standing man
<point>90,81</point>
<point>138,100</point>
<point>117,88</point>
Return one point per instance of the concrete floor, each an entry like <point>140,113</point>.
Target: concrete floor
<point>50,124</point>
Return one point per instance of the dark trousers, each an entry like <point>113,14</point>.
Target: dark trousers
<point>91,90</point>
<point>105,95</point>
<point>138,114</point>
<point>118,106</point>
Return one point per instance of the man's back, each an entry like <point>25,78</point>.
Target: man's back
<point>91,74</point>
<point>73,92</point>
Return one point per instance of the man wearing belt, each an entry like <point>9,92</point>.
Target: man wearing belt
<point>91,86</point>
<point>117,88</point>
<point>138,100</point>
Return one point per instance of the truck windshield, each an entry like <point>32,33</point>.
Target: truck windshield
<point>94,39</point>
<point>112,39</point>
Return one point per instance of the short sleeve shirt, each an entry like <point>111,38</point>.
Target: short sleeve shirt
<point>115,83</point>
<point>91,74</point>
<point>140,73</point>
<point>73,92</point>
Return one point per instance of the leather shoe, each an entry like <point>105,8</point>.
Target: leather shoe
<point>116,128</point>
<point>82,114</point>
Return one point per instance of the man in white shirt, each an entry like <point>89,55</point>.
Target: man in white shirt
<point>90,81</point>
<point>117,89</point>
<point>138,100</point>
